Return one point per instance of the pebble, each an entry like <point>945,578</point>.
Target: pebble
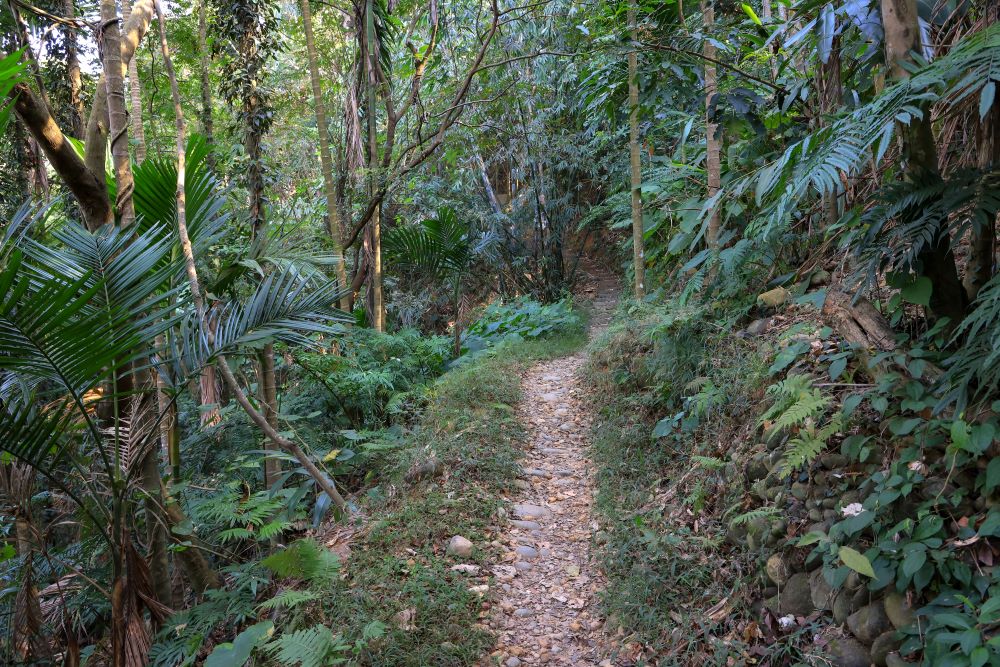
<point>524,551</point>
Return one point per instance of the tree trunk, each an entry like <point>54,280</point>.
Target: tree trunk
<point>830,92</point>
<point>156,535</point>
<point>638,233</point>
<point>117,116</point>
<point>135,92</point>
<point>902,36</point>
<point>982,241</point>
<point>326,160</point>
<point>206,83</point>
<point>713,159</point>
<point>269,401</point>
<point>73,72</point>
<point>371,61</point>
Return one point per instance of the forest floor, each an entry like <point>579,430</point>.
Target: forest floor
<point>547,611</point>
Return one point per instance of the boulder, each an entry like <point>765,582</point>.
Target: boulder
<point>459,546</point>
<point>774,298</point>
<point>899,611</point>
<point>883,645</point>
<point>820,591</point>
<point>894,660</point>
<point>868,622</point>
<point>849,652</point>
<point>777,569</point>
<point>796,598</point>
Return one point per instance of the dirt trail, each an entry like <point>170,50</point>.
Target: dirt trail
<point>546,611</point>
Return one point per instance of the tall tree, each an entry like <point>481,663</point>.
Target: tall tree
<point>135,97</point>
<point>326,159</point>
<point>713,158</point>
<point>902,40</point>
<point>638,249</point>
<point>114,79</point>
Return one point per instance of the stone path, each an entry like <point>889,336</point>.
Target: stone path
<point>547,607</point>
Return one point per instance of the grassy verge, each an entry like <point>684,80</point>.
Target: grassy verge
<point>664,502</point>
<point>399,574</point>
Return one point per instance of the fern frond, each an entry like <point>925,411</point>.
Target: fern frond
<point>313,647</point>
<point>289,599</point>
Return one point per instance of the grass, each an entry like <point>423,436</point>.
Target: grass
<point>399,563</point>
<point>662,508</point>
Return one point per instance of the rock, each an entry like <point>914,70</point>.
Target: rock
<point>524,612</point>
<point>800,491</point>
<point>513,661</point>
<point>774,298</point>
<point>466,568</point>
<point>777,569</point>
<point>883,645</point>
<point>459,546</point>
<point>552,396</point>
<point>757,468</point>
<point>424,470</point>
<point>525,525</point>
<point>528,512</point>
<point>894,660</point>
<point>796,598</point>
<point>899,611</point>
<point>404,619</point>
<point>522,484</point>
<point>759,327</point>
<point>841,606</point>
<point>524,551</point>
<point>522,566</point>
<point>833,461</point>
<point>820,591</point>
<point>536,472</point>
<point>868,622</point>
<point>848,652</point>
<point>820,277</point>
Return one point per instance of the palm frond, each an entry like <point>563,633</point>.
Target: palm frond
<point>284,307</point>
<point>155,196</point>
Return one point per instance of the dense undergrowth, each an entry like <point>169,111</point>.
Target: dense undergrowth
<point>427,457</point>
<point>773,495</point>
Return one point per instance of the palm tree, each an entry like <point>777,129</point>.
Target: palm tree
<point>443,248</point>
<point>77,366</point>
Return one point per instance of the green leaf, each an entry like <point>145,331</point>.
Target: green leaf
<point>986,96</point>
<point>856,561</point>
<point>992,475</point>
<point>979,656</point>
<point>237,652</point>
<point>918,292</point>
<point>812,537</point>
<point>751,13</point>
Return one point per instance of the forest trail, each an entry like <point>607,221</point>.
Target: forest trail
<point>546,611</point>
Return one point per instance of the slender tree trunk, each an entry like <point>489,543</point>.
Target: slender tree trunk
<point>902,36</point>
<point>269,401</point>
<point>135,91</point>
<point>982,241</point>
<point>378,307</point>
<point>713,160</point>
<point>199,573</point>
<point>326,159</point>
<point>117,116</point>
<point>73,72</point>
<point>830,92</point>
<point>206,83</point>
<point>638,232</point>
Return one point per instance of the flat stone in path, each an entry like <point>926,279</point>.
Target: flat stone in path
<point>528,511</point>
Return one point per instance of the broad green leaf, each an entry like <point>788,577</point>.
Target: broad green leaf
<point>856,561</point>
<point>237,652</point>
<point>918,292</point>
